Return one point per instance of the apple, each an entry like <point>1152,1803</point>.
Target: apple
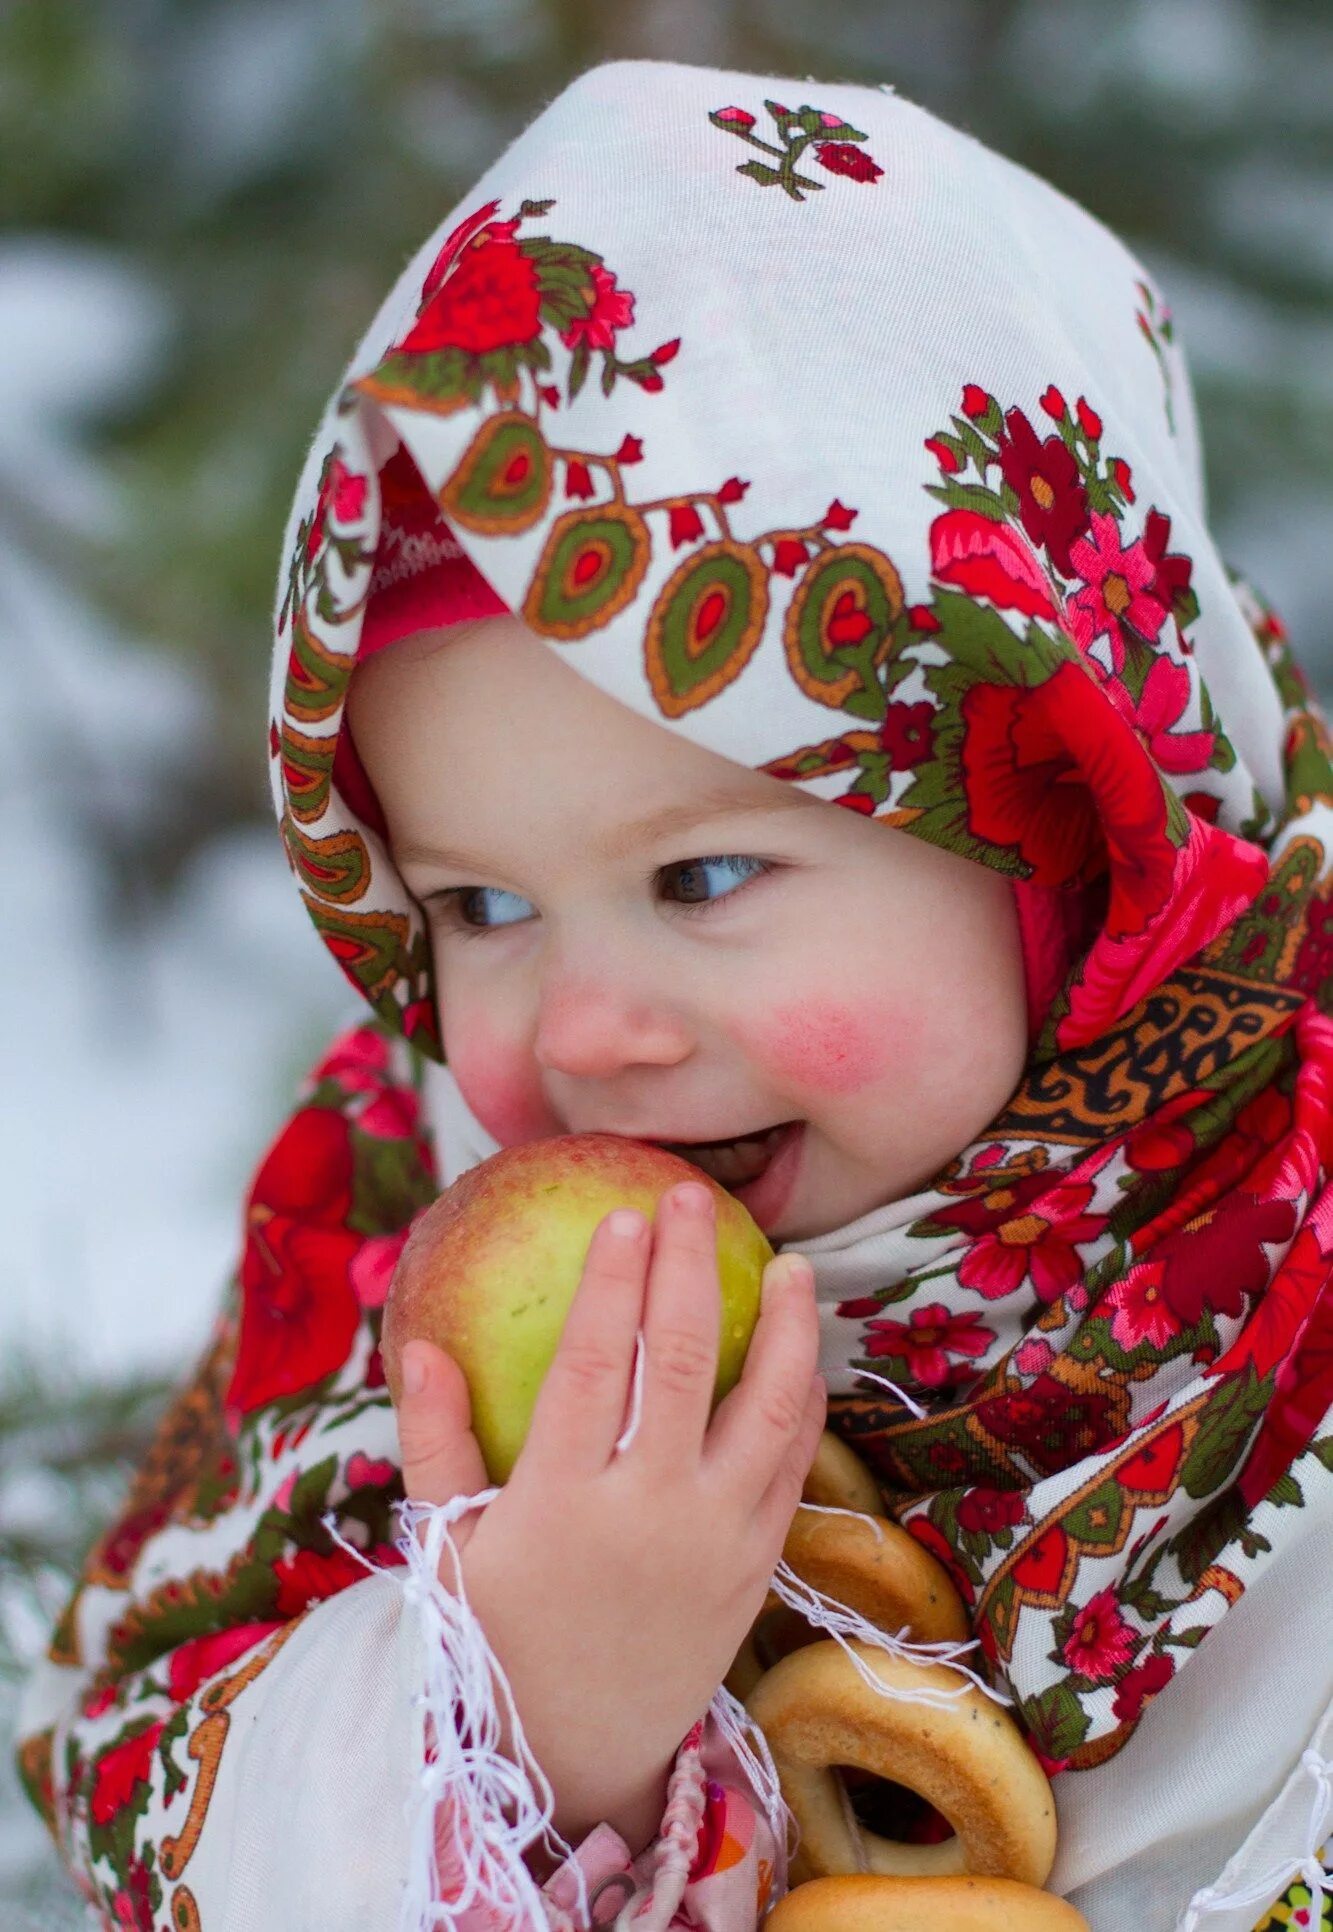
<point>490,1269</point>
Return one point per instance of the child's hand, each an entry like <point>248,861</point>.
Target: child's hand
<point>615,1589</point>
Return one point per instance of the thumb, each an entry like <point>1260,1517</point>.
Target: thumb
<point>439,1453</point>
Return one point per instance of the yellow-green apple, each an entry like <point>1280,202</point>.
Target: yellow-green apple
<point>490,1269</point>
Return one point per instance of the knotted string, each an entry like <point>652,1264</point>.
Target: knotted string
<point>1310,1870</point>
<point>467,1786</point>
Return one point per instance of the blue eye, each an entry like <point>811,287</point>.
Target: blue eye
<point>455,901</point>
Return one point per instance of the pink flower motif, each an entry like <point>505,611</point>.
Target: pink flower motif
<point>1142,1314</point>
<point>612,309</point>
<point>1034,1356</point>
<point>926,1341</point>
<point>1166,692</point>
<point>358,1061</point>
<point>361,1472</point>
<point>1116,588</point>
<point>372,1267</point>
<point>392,1115</point>
<point>1100,1641</point>
<point>282,1499</point>
<point>1039,1244</point>
<point>831,120</point>
<point>736,115</point>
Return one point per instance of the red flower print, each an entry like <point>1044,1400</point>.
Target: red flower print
<point>578,481</point>
<point>299,1313</point>
<point>1088,419</point>
<point>932,1539</point>
<point>1053,403</point>
<point>391,1115</point>
<point>1043,772</point>
<point>789,553</point>
<point>342,495</point>
<point>987,1511</point>
<point>1139,1686</point>
<point>1171,573</point>
<point>665,351</point>
<point>308,1170</point>
<point>1162,702</point>
<point>358,1061</point>
<point>1219,1265</point>
<point>838,516</point>
<point>736,115</point>
<point>121,1769</point>
<point>1303,1393</point>
<point>1142,1313</point>
<point>906,734</point>
<point>1164,1141</point>
<point>1052,1424</point>
<point>1040,1245</point>
<point>1152,927</point>
<point>990,560</point>
<point>490,299</point>
<point>1116,589</point>
<point>193,1663</point>
<point>612,309</point>
<point>686,524</point>
<point>372,1267</point>
<point>455,240</point>
<point>1052,502</point>
<point>1100,1641</point>
<point>944,456</point>
<point>1124,476</point>
<point>926,1341</point>
<point>306,1577</point>
<point>975,400</point>
<point>844,157</point>
<point>132,1905</point>
<point>1287,1303</point>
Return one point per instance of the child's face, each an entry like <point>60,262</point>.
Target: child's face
<point>868,984</point>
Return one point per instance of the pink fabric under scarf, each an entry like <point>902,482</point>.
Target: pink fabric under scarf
<point>424,580</point>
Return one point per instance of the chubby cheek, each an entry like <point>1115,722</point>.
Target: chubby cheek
<point>823,1048</point>
<point>498,1083</point>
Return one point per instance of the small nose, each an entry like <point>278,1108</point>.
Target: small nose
<point>591,1025</point>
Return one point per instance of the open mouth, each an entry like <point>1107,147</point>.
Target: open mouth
<point>733,1163</point>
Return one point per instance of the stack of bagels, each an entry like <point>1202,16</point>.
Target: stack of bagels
<point>965,1755</point>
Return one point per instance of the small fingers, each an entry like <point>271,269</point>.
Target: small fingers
<point>437,1449</point>
<point>580,1407</point>
<point>763,1418</point>
<point>682,1327</point>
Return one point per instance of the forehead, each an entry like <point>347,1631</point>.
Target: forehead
<point>486,714</point>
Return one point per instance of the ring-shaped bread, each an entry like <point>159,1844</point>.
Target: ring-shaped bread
<point>864,1902</point>
<point>888,1578</point>
<point>837,1476</point>
<point>965,1756</point>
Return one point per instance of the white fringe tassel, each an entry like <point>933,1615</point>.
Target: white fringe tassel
<point>471,1785</point>
<point>468,1775</point>
<point>1270,1884</point>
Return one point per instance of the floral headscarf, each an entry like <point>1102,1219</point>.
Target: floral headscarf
<point>834,442</point>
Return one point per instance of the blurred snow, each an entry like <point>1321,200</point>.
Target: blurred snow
<point>147,1057</point>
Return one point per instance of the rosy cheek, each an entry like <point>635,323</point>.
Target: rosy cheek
<point>826,1048</point>
<point>499,1087</point>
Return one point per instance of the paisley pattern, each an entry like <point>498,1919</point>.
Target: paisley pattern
<point>1114,1307</point>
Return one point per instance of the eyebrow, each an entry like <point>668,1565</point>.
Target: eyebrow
<point>627,839</point>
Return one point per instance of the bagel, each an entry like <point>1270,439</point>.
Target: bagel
<point>967,1758</point>
<point>862,1902</point>
<point>889,1579</point>
<point>838,1476</point>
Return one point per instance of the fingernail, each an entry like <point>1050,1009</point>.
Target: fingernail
<point>789,1273</point>
<point>626,1224</point>
<point>690,1198</point>
<point>414,1370</point>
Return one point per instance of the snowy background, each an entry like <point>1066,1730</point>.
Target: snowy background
<point>201,206</point>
